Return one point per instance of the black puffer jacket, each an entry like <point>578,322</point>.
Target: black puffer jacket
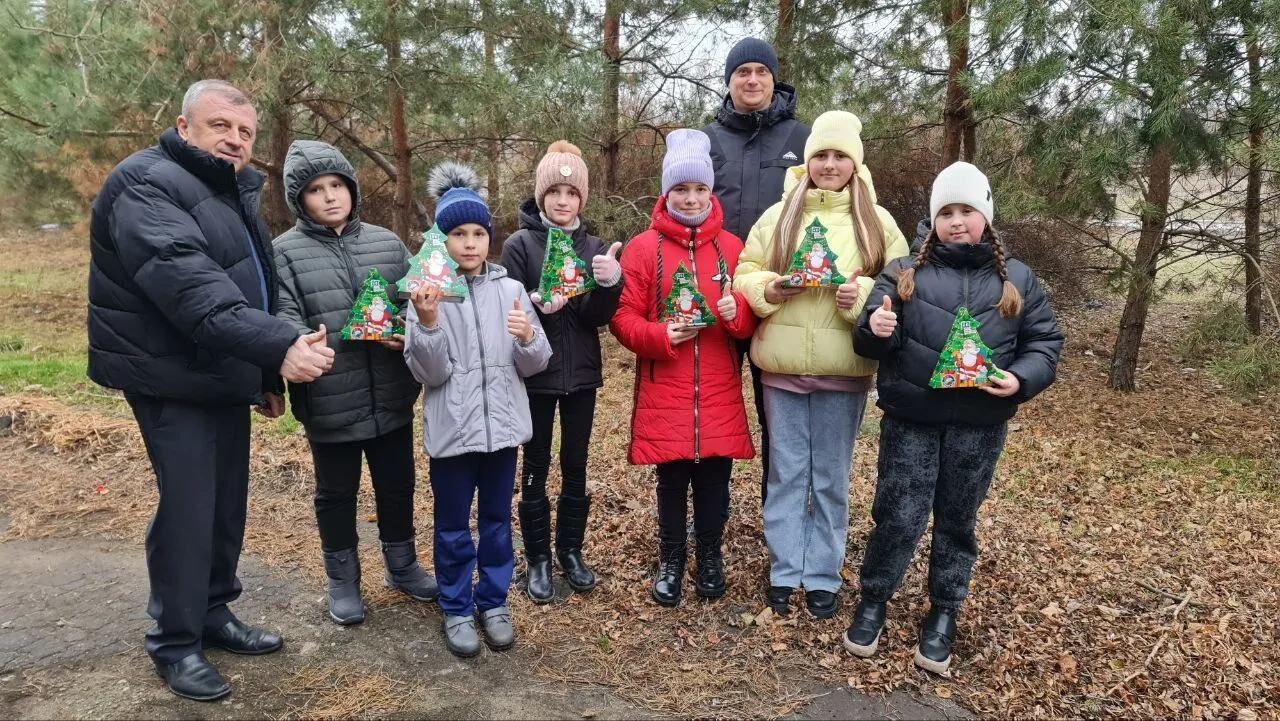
<point>958,275</point>
<point>573,331</point>
<point>181,280</point>
<point>370,391</point>
<point>751,154</point>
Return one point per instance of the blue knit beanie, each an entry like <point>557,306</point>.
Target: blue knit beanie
<point>688,160</point>
<point>751,50</point>
<point>454,187</point>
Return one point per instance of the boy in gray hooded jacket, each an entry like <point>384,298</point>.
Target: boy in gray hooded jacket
<point>473,358</point>
<point>363,408</point>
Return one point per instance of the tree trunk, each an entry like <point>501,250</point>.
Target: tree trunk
<point>782,38</point>
<point>275,209</point>
<point>958,130</point>
<point>494,151</point>
<point>1253,190</point>
<point>1124,361</point>
<point>610,144</point>
<point>402,206</point>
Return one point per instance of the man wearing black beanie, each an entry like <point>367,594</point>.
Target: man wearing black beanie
<point>754,139</point>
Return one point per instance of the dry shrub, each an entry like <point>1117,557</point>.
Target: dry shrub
<point>1058,254</point>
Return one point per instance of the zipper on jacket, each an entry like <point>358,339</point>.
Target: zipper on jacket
<point>964,295</point>
<point>368,351</point>
<point>484,376</point>
<point>693,234</point>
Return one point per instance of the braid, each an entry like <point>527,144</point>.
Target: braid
<point>1010,303</point>
<point>907,278</point>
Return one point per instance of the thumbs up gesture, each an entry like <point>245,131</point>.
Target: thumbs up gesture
<point>308,358</point>
<point>518,324</point>
<point>606,268</point>
<point>847,293</point>
<point>884,320</point>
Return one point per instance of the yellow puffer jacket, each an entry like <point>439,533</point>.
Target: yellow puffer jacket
<point>808,335</point>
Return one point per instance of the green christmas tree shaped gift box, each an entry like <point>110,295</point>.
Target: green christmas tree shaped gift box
<point>684,304</point>
<point>563,272</point>
<point>433,266</point>
<point>373,317</point>
<point>814,263</point>
<point>965,361</point>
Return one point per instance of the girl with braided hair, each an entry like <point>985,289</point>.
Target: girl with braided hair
<point>939,446</point>
<point>689,418</point>
<point>815,386</point>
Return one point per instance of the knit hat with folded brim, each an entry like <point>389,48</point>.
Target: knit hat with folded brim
<point>688,160</point>
<point>835,130</point>
<point>456,189</point>
<point>962,183</point>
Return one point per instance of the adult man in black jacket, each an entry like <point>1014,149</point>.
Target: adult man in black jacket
<point>181,291</point>
<point>754,139</point>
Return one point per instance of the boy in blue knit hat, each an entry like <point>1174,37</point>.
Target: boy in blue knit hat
<point>472,358</point>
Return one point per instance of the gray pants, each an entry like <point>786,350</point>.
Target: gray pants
<point>806,510</point>
<point>945,469</point>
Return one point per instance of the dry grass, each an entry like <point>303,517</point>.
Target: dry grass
<point>338,692</point>
<point>1129,562</point>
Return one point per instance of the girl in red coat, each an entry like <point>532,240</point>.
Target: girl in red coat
<point>689,418</point>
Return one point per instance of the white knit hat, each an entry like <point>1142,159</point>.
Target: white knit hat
<point>962,183</point>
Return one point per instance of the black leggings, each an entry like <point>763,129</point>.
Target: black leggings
<point>709,479</point>
<point>338,480</point>
<point>577,413</point>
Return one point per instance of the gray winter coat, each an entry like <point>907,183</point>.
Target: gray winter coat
<point>751,154</point>
<point>474,370</point>
<point>369,392</point>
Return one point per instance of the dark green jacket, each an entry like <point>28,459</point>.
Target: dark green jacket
<point>370,391</point>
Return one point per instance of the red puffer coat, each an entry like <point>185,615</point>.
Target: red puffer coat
<point>688,398</point>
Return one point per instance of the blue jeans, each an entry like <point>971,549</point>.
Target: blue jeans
<point>806,510</point>
<point>490,477</point>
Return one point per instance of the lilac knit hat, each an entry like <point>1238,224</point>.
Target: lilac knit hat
<point>688,159</point>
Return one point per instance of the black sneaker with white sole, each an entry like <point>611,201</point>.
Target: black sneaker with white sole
<point>863,635</point>
<point>936,635</point>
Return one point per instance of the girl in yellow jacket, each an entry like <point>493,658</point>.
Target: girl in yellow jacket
<point>807,268</point>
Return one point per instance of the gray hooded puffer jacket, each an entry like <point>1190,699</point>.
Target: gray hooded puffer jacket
<point>474,370</point>
<point>370,391</point>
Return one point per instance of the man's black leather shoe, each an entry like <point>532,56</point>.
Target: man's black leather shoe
<point>194,677</point>
<point>238,637</point>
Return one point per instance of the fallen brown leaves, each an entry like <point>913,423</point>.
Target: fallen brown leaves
<point>1129,557</point>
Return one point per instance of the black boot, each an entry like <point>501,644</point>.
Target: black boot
<point>343,569</point>
<point>863,635</point>
<point>670,577</point>
<point>709,578</point>
<point>405,574</point>
<point>939,630</point>
<point>535,528</point>
<point>571,527</point>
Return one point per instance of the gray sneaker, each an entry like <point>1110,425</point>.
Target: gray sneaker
<point>460,636</point>
<point>498,632</point>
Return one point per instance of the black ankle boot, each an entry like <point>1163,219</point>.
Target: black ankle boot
<point>939,630</point>
<point>571,528</point>
<point>343,570</point>
<point>709,577</point>
<point>535,528</point>
<point>670,577</point>
<point>863,635</point>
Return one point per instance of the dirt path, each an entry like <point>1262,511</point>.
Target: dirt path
<point>72,617</point>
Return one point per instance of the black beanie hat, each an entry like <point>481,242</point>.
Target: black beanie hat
<point>751,50</point>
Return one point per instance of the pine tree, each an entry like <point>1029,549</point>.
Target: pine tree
<point>433,266</point>
<point>801,274</point>
<point>953,370</point>
<point>373,317</point>
<point>685,290</point>
<point>559,262</point>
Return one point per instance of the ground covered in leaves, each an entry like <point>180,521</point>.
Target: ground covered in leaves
<point>1129,566</point>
